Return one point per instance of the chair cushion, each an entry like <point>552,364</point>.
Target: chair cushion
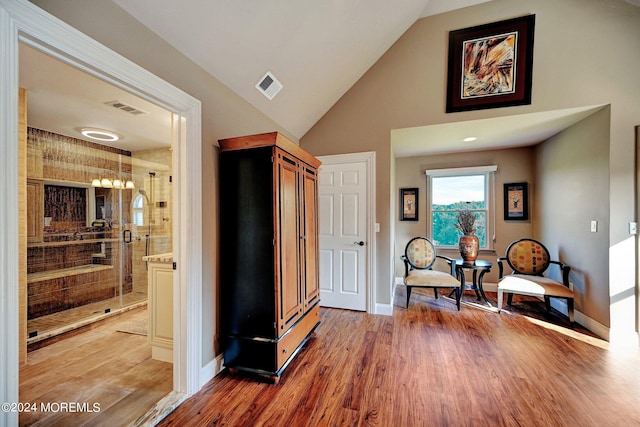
<point>420,252</point>
<point>431,279</point>
<point>533,285</point>
<point>528,256</point>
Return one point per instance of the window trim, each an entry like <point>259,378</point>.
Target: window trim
<point>489,173</point>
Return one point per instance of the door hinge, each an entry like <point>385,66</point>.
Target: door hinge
<point>175,265</point>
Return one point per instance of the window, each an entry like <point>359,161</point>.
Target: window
<point>451,190</point>
<point>138,210</point>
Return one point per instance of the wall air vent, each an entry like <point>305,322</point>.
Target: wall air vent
<point>126,108</point>
<point>268,85</point>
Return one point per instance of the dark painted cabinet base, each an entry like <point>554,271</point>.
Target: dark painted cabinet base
<point>270,357</point>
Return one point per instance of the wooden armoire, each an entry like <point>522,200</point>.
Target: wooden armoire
<point>269,285</point>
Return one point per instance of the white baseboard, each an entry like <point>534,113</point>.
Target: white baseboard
<point>384,309</point>
<point>211,369</point>
<point>561,305</point>
<point>387,309</point>
<point>490,287</point>
<point>596,327</point>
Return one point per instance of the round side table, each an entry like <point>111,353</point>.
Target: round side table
<point>479,268</point>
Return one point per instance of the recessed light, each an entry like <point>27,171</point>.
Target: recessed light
<point>100,134</point>
<point>470,139</point>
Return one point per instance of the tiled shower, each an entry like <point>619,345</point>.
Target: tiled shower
<point>94,211</point>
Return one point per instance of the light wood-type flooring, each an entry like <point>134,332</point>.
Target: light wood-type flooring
<point>431,365</point>
<point>101,366</point>
<point>63,321</point>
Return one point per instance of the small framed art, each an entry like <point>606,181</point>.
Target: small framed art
<point>516,201</point>
<point>408,204</point>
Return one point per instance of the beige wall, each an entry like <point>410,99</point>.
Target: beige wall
<point>572,189</point>
<point>514,165</point>
<point>224,114</point>
<point>585,53</point>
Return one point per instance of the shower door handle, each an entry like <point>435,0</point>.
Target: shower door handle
<point>127,236</point>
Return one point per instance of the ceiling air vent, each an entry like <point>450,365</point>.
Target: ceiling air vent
<point>126,108</point>
<point>269,86</point>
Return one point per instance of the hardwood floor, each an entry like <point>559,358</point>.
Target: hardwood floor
<point>431,365</point>
<point>102,366</point>
<point>61,322</point>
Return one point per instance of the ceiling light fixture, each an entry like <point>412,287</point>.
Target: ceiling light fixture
<point>116,183</point>
<point>470,139</point>
<point>100,134</point>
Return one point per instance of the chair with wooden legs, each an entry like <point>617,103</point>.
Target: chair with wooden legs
<point>528,260</point>
<point>419,257</point>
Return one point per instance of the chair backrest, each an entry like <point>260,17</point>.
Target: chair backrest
<point>528,256</point>
<point>420,253</point>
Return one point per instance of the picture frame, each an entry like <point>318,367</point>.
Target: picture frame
<point>516,201</point>
<point>491,65</point>
<point>408,204</point>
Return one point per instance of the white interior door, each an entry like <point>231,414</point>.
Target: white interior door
<point>344,245</point>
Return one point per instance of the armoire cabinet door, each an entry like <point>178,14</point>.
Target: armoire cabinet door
<point>308,221</point>
<point>289,301</point>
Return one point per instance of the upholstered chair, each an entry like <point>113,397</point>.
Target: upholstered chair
<point>528,260</point>
<point>419,257</point>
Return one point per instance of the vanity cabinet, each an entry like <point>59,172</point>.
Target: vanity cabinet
<point>160,306</point>
<point>268,251</point>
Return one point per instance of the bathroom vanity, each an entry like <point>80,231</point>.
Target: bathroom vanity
<point>160,306</point>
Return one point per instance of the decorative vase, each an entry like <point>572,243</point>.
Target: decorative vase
<point>468,246</point>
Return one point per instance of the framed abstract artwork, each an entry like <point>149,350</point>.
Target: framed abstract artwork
<point>491,65</point>
<point>516,201</point>
<point>408,204</point>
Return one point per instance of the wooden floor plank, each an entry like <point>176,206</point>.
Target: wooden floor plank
<point>100,366</point>
<point>431,365</point>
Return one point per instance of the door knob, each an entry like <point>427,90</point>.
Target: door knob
<point>360,243</point>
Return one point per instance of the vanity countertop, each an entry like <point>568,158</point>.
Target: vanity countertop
<point>162,258</point>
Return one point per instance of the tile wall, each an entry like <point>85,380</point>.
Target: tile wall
<point>74,263</point>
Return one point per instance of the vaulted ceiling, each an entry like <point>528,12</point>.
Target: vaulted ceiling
<point>316,50</point>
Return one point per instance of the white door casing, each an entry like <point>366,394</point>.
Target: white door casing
<point>347,242</point>
<point>24,22</point>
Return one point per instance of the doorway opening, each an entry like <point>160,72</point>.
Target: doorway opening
<point>23,22</point>
<point>97,212</point>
